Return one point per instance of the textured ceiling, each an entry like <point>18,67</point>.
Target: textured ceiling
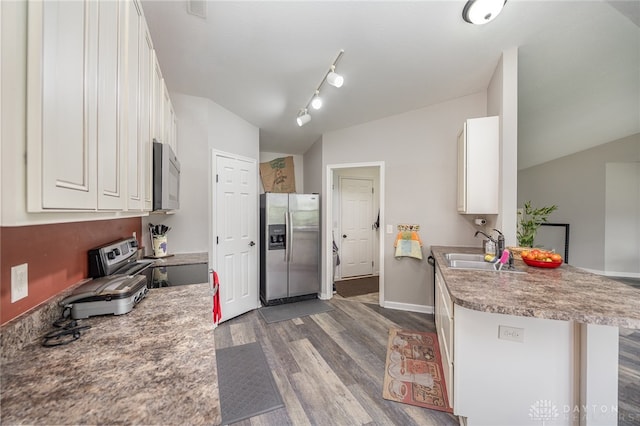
<point>579,64</point>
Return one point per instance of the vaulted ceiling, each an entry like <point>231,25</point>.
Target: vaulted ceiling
<point>579,64</point>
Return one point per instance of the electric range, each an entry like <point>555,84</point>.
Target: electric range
<point>120,258</point>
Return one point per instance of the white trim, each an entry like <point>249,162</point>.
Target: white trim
<point>410,307</point>
<point>326,291</point>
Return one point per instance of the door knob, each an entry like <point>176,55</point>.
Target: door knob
<point>251,244</point>
<point>344,235</point>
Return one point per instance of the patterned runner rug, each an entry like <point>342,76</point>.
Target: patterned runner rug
<point>413,372</point>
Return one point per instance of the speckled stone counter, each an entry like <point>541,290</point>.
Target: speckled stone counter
<point>565,293</point>
<point>154,365</point>
<point>183,259</point>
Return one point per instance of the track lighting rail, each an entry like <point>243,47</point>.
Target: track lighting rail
<point>315,100</point>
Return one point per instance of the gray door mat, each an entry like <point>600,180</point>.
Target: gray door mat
<point>245,383</point>
<point>288,311</point>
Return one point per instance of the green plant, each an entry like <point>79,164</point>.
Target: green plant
<point>530,220</point>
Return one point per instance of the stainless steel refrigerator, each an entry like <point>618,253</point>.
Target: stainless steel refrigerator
<point>289,247</point>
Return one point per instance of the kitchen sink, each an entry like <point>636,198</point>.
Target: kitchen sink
<point>479,266</point>
<point>464,256</point>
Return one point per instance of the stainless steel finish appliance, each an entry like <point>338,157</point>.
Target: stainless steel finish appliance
<point>289,247</point>
<point>110,295</point>
<point>175,275</point>
<point>118,257</point>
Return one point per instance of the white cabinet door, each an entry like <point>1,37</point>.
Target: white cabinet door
<point>478,166</point>
<point>445,330</point>
<point>173,141</point>
<point>169,120</point>
<point>111,152</point>
<point>157,108</point>
<point>146,105</point>
<point>129,125</point>
<point>61,111</point>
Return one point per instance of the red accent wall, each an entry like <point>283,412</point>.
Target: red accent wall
<point>57,257</point>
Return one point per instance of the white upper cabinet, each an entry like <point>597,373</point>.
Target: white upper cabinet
<point>169,121</point>
<point>111,144</point>
<point>478,166</point>
<point>95,102</point>
<point>129,126</point>
<point>146,104</point>
<point>61,105</point>
<point>157,107</point>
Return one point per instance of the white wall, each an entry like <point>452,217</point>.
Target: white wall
<point>622,219</point>
<point>419,152</point>
<point>202,125</point>
<point>502,100</point>
<point>577,185</point>
<point>298,168</point>
<point>313,168</point>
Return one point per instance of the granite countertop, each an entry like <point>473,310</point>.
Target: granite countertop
<point>182,259</point>
<point>153,365</point>
<point>565,293</point>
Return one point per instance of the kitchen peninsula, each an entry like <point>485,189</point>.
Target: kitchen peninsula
<point>154,365</point>
<point>535,346</point>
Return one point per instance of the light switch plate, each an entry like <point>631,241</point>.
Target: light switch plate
<point>389,229</point>
<point>19,282</point>
<point>514,334</point>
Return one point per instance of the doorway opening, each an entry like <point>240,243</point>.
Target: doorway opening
<point>354,214</point>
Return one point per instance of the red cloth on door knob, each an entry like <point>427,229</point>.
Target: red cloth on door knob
<point>217,312</point>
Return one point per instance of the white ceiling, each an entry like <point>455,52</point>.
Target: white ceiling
<point>579,64</point>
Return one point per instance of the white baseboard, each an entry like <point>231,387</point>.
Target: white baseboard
<point>423,309</point>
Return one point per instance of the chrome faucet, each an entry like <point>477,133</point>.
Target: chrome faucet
<point>499,242</point>
<point>501,246</point>
<point>488,236</point>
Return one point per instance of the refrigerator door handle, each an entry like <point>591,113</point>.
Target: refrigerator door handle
<point>286,237</point>
<point>290,236</point>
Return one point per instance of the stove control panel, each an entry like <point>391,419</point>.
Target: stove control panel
<point>107,259</point>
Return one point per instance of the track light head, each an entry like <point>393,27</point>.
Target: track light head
<point>303,117</point>
<point>316,102</point>
<point>335,79</point>
<point>480,12</point>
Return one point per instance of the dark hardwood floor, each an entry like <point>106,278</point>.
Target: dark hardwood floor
<point>329,367</point>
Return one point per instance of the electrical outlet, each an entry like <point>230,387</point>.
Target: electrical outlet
<point>19,282</point>
<point>514,334</point>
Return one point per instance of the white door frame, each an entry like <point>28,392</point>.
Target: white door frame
<point>327,223</point>
<point>213,230</point>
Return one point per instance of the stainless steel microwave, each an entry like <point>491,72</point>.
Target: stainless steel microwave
<point>166,178</point>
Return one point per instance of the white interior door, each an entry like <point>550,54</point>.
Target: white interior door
<point>356,213</point>
<point>235,212</point>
